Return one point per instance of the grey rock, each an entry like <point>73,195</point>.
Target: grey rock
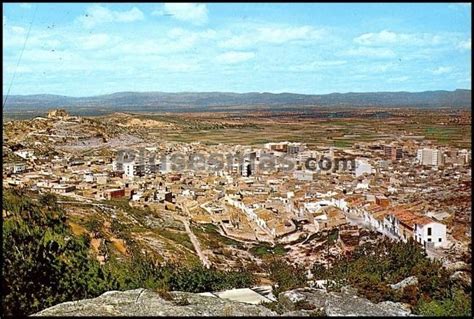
<point>397,308</point>
<point>297,313</point>
<point>457,266</point>
<point>339,305</point>
<point>315,297</point>
<point>405,282</point>
<point>348,290</point>
<point>142,302</point>
<point>297,302</point>
<point>345,303</point>
<point>462,277</point>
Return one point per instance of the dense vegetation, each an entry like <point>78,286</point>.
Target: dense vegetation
<point>142,271</point>
<point>285,276</point>
<point>372,267</point>
<point>45,264</point>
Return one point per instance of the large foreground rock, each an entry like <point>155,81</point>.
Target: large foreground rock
<point>142,302</point>
<point>340,304</point>
<point>297,302</point>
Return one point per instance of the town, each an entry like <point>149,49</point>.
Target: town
<point>237,159</point>
<point>268,193</point>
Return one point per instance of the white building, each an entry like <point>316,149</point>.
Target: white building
<point>404,224</point>
<point>428,156</point>
<point>25,154</point>
<point>88,177</point>
<point>314,207</point>
<point>429,233</point>
<point>362,167</point>
<point>305,175</point>
<point>246,169</point>
<point>18,168</point>
<point>129,169</point>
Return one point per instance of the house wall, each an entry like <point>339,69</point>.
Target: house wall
<point>405,232</point>
<point>437,231</point>
<point>129,169</point>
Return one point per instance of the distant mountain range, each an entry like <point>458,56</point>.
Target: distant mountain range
<point>220,101</point>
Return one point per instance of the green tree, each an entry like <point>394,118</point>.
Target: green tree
<point>43,263</point>
<point>459,305</point>
<point>286,276</point>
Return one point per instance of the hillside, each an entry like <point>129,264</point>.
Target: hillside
<point>220,101</point>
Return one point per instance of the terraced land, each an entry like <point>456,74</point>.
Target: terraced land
<point>330,129</point>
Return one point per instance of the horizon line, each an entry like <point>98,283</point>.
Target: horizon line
<point>230,92</point>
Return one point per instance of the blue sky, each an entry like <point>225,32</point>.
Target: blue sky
<point>88,49</point>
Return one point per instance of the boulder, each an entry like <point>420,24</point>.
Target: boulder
<point>142,302</point>
<point>297,302</point>
<point>292,298</point>
<point>345,303</point>
<point>461,277</point>
<point>457,266</point>
<point>396,308</point>
<point>409,281</point>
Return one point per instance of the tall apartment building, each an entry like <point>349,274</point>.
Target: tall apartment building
<point>430,157</point>
<point>393,152</point>
<point>136,167</point>
<point>285,147</point>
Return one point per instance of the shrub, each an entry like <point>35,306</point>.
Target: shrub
<point>43,262</point>
<point>286,276</point>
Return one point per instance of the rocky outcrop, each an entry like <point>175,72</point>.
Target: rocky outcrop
<point>58,113</point>
<point>463,278</point>
<point>298,302</point>
<point>409,281</point>
<point>344,303</point>
<point>457,266</point>
<point>142,302</point>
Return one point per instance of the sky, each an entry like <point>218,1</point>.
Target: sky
<point>89,49</point>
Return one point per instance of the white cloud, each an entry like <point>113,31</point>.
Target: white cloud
<point>370,68</point>
<point>442,70</point>
<point>19,69</point>
<point>14,36</point>
<point>25,5</point>
<point>370,52</point>
<point>177,67</point>
<point>273,35</point>
<point>18,30</point>
<point>398,79</point>
<point>172,41</point>
<point>233,57</point>
<point>98,14</point>
<point>387,37</point>
<point>464,45</point>
<point>191,36</point>
<point>328,63</point>
<point>195,13</point>
<point>381,37</point>
<point>94,41</point>
<point>316,65</point>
